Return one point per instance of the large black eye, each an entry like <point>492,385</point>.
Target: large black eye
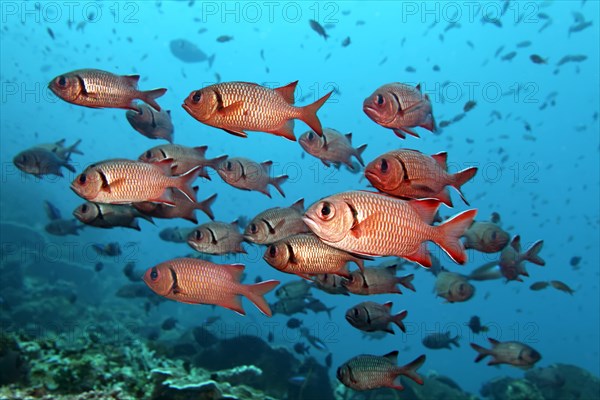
<point>311,135</point>
<point>229,166</point>
<point>154,274</point>
<point>326,209</point>
<point>82,178</point>
<point>494,235</point>
<point>198,234</point>
<point>253,228</point>
<point>61,81</point>
<point>355,312</point>
<point>23,158</point>
<point>380,99</point>
<point>84,208</point>
<point>272,250</point>
<point>148,154</point>
<point>384,165</point>
<point>196,97</point>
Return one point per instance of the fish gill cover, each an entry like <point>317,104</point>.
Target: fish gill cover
<point>237,199</point>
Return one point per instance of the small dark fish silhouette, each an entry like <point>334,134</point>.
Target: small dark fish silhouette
<point>536,59</point>
<point>318,28</point>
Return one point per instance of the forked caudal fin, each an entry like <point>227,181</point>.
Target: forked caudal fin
<point>185,181</point>
<point>309,114</point>
<point>532,256</point>
<point>150,96</point>
<point>410,370</point>
<point>448,235</point>
<point>255,294</point>
<point>483,352</point>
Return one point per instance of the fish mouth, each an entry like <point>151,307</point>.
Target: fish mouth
<point>372,177</point>
<point>186,108</point>
<point>369,110</point>
<point>312,225</point>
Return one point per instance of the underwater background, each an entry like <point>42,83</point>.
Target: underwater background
<point>533,134</point>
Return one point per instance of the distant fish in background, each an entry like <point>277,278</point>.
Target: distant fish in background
<point>486,237</point>
<point>150,123</point>
<point>224,38</point>
<point>237,107</point>
<point>112,249</point>
<point>346,42</point>
<point>369,316</point>
<point>109,216</point>
<point>245,174</point>
<point>373,280</point>
<point>438,341</point>
<point>129,272</point>
<point>182,158</point>
<point>469,105</point>
<point>101,89</point>
<point>46,159</point>
<point>59,148</point>
<point>317,27</point>
<point>512,353</point>
<point>512,261</point>
<point>563,287</point>
<point>475,325</point>
<point>193,281</point>
<point>317,306</point>
<point>400,107</point>
<point>175,235</point>
<point>539,285</point>
<point>453,287</point>
<point>52,212</point>
<point>536,59</point>
<point>63,227</point>
<point>332,147</point>
<point>188,52</point>
<point>298,289</point>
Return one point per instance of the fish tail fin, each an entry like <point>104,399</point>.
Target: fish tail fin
<point>358,153</point>
<point>73,148</point>
<point>308,114</point>
<point>149,97</point>
<point>256,292</point>
<point>483,352</point>
<point>278,181</point>
<point>211,60</point>
<point>455,340</point>
<point>214,162</point>
<point>449,233</point>
<point>204,206</point>
<point>532,256</point>
<point>185,181</point>
<point>406,281</point>
<point>69,166</point>
<point>397,319</point>
<point>462,177</point>
<point>410,370</point>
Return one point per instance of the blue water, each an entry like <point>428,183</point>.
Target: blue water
<point>547,189</point>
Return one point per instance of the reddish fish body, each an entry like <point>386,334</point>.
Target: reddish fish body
<point>101,89</point>
<point>373,224</point>
<point>400,107</point>
<point>122,181</point>
<point>512,353</point>
<point>413,175</point>
<point>237,107</point>
<point>193,281</point>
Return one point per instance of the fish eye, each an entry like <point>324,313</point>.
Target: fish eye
<point>84,208</point>
<point>494,235</point>
<point>384,165</point>
<point>196,97</point>
<point>148,154</point>
<point>327,211</point>
<point>311,135</point>
<point>198,234</point>
<point>229,166</point>
<point>82,178</point>
<point>380,99</point>
<point>355,311</point>
<point>253,228</point>
<point>154,274</point>
<point>61,81</point>
<point>272,250</point>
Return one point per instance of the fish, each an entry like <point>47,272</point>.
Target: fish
<point>525,43</point>
<point>536,59</point>
<point>188,52</point>
<point>245,174</point>
<point>50,33</point>
<point>563,287</point>
<point>224,38</point>
<point>400,107</point>
<point>366,372</point>
<point>193,281</point>
<point>438,341</point>
<point>411,174</point>
<point>578,27</point>
<point>63,152</point>
<point>330,283</point>
<point>182,207</point>
<point>182,158</point>
<point>40,161</point>
<point>112,249</point>
<point>539,285</point>
<point>52,212</point>
<point>315,26</point>
<point>475,325</point>
<point>469,105</point>
<point>369,316</point>
<point>486,237</point>
<point>289,306</point>
<point>346,41</point>
<point>373,224</point>
<point>509,56</point>
<point>150,123</point>
<point>175,235</point>
<point>512,260</point>
<point>95,88</point>
<point>293,323</point>
<point>574,262</point>
<point>275,224</point>
<point>99,266</point>
<point>129,272</point>
<point>63,227</point>
<point>332,147</point>
<point>108,216</point>
<point>237,107</point>
<point>512,353</point>
<point>306,255</point>
<point>313,340</point>
<point>217,238</point>
<point>301,348</point>
<point>317,306</point>
<point>572,58</point>
<point>373,280</point>
<point>453,287</point>
<point>168,324</point>
<point>486,272</point>
<point>122,181</point>
<point>294,289</point>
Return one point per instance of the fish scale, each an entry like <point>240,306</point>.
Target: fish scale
<point>205,283</point>
<point>377,371</point>
<point>107,88</point>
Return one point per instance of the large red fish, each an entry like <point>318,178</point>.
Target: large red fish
<point>237,107</point>
<point>99,89</point>
<point>194,281</point>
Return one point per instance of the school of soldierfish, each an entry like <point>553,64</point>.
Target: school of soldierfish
<point>318,243</point>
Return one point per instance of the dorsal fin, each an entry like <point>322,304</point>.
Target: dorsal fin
<point>298,205</point>
<point>349,137</point>
<point>235,223</point>
<point>266,165</point>
<point>235,270</point>
<point>392,356</point>
<point>388,305</point>
<point>132,79</point>
<point>426,209</point>
<point>201,150</point>
<point>516,243</point>
<point>287,92</point>
<point>441,158</point>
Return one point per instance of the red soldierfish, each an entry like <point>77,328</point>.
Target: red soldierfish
<point>413,175</point>
<point>512,353</point>
<point>365,372</point>
<point>374,224</point>
<point>121,181</point>
<point>237,107</point>
<point>193,281</point>
<point>400,107</point>
<point>100,89</point>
